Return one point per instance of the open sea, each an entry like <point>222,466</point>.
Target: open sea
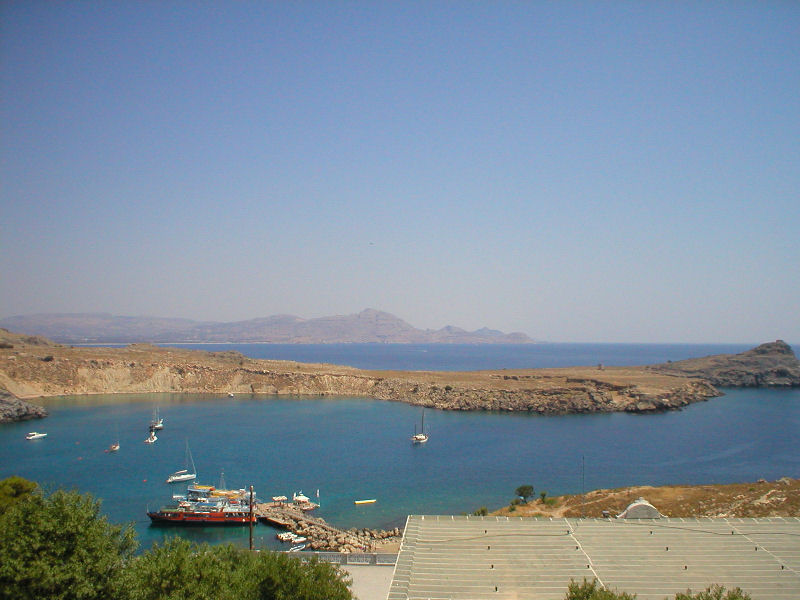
<point>355,448</point>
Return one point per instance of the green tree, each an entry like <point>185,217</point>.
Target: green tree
<point>592,590</point>
<point>13,489</point>
<point>543,496</point>
<point>60,546</point>
<point>524,492</point>
<point>180,570</point>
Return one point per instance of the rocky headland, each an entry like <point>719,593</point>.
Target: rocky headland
<point>14,409</point>
<point>769,365</point>
<point>32,367</point>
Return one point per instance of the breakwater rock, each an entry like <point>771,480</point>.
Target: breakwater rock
<point>769,365</point>
<point>13,409</point>
<point>322,536</point>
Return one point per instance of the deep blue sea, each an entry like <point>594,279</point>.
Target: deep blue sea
<point>354,448</point>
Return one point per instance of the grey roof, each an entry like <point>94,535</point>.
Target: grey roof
<point>471,558</point>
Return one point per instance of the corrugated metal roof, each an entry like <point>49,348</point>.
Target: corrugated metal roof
<point>472,558</point>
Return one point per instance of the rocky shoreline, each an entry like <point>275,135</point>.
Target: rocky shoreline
<point>322,536</point>
<point>30,370</point>
<point>769,365</point>
<point>13,409</point>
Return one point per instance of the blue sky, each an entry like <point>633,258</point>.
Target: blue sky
<point>617,171</point>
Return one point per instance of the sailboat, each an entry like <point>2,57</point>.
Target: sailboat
<point>186,474</point>
<point>421,437</point>
<point>157,422</point>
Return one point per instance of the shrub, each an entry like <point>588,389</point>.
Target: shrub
<point>592,590</point>
<point>524,492</point>
<point>715,592</point>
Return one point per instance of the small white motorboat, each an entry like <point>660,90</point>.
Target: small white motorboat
<point>35,435</point>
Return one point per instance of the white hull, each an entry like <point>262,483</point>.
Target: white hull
<point>175,478</point>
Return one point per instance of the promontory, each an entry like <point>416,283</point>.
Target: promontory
<point>32,367</point>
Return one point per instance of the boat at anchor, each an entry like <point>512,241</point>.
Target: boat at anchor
<point>187,474</point>
<point>207,505</point>
<point>421,437</point>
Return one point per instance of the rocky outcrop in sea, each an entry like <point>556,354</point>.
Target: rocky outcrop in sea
<point>13,409</point>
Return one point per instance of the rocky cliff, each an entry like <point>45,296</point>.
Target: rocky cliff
<point>50,370</point>
<point>769,365</point>
<point>13,409</point>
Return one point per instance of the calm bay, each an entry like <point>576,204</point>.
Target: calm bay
<point>355,448</point>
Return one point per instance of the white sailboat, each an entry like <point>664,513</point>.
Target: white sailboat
<point>157,422</point>
<point>421,437</point>
<point>186,474</point>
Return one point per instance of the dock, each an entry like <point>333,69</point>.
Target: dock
<point>320,534</point>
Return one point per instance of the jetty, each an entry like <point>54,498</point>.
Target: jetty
<point>320,534</point>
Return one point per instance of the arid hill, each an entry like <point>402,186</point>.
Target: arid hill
<point>779,498</point>
<point>47,369</point>
<point>368,326</point>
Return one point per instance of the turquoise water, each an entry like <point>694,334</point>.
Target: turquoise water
<point>352,449</point>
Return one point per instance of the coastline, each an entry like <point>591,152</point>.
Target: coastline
<point>45,369</point>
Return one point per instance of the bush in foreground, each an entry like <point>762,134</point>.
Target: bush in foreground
<point>181,570</point>
<point>61,546</point>
<point>592,590</point>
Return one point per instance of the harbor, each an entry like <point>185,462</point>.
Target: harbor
<point>318,534</point>
<point>205,505</point>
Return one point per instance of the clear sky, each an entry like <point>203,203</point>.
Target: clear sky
<point>599,171</point>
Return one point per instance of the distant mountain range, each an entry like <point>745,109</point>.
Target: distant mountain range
<point>368,326</point>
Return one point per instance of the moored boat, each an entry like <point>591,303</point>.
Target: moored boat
<point>186,474</point>
<point>370,501</point>
<point>421,437</point>
<point>35,435</point>
<point>206,505</point>
<point>202,515</point>
<point>158,421</point>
